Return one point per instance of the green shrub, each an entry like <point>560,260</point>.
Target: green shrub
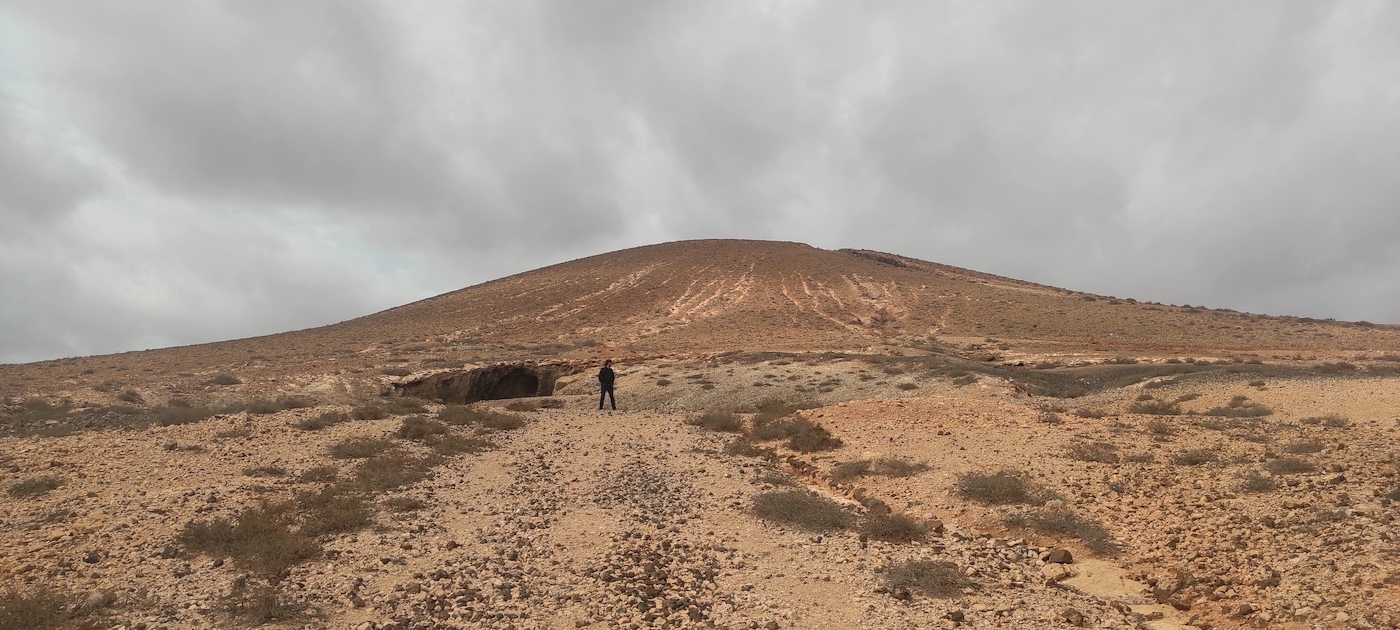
<point>801,508</point>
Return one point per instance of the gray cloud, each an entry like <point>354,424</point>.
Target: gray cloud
<point>181,172</point>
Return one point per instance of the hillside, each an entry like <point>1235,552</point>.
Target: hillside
<point>805,439</point>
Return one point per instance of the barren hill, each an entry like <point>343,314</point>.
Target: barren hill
<point>806,439</point>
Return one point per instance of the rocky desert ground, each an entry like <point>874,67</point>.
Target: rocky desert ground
<point>805,439</point>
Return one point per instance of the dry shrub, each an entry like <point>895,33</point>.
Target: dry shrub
<point>179,414</point>
<point>1240,407</point>
<point>727,421</point>
<point>1290,465</point>
<point>319,474</point>
<point>392,470</point>
<point>968,379</point>
<point>452,444</point>
<point>263,539</point>
<point>776,479</point>
<point>1300,448</point>
<point>1155,407</point>
<point>933,578</point>
<point>461,415</point>
<point>259,604</point>
<point>1194,457</point>
<point>359,448</point>
<point>1085,412</point>
<point>884,466</point>
<point>370,411</point>
<point>1254,482</point>
<point>1140,458</point>
<point>745,448</point>
<point>897,528</point>
<point>1003,487</point>
<point>41,609</point>
<point>236,432</point>
<point>802,434</point>
<point>327,419</point>
<point>333,510</point>
<point>420,428</point>
<point>523,405</point>
<point>801,508</point>
<point>1089,531</point>
<point>34,487</point>
<point>907,386</point>
<point>264,471</point>
<point>225,379</point>
<point>1160,427</point>
<point>404,504</point>
<point>1101,452</point>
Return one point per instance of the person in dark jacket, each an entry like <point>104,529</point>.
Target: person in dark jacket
<point>605,381</point>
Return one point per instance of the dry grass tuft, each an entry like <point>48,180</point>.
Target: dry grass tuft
<point>41,609</point>
<point>1101,452</point>
<point>334,510</point>
<point>802,435</point>
<point>1155,407</point>
<point>260,604</point>
<point>726,421</point>
<point>263,539</point>
<point>1005,487</point>
<point>897,528</point>
<point>1195,457</point>
<point>391,470</point>
<point>453,444</point>
<point>885,466</point>
<point>359,448</point>
<point>1304,447</point>
<point>802,508</point>
<point>1240,407</point>
<point>1089,531</point>
<point>419,428</point>
<point>327,419</point>
<point>1253,482</point>
<point>1290,466</point>
<point>37,486</point>
<point>933,578</point>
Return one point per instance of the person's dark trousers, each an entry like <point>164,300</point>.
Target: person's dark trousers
<point>608,394</point>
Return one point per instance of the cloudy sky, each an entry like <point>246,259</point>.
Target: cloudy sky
<point>186,171</point>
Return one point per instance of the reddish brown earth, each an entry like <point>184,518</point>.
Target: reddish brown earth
<point>1277,510</point>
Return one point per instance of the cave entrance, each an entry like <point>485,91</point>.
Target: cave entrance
<point>496,382</point>
<point>517,383</point>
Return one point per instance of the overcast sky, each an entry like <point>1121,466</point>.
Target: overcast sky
<point>187,171</point>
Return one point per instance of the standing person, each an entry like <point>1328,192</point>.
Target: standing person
<point>605,381</point>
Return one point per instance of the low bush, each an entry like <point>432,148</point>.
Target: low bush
<point>34,487</point>
<point>333,510</point>
<point>727,421</point>
<point>896,528</point>
<point>1194,457</point>
<point>802,435</point>
<point>225,379</point>
<point>370,411</point>
<point>236,432</point>
<point>419,428</point>
<point>359,448</point>
<point>40,609</point>
<point>744,448</point>
<point>263,539</point>
<point>318,474</point>
<point>461,415</point>
<point>1085,412</point>
<point>1155,407</point>
<point>259,604</point>
<point>1240,407</point>
<point>1101,452</point>
<point>131,396</point>
<point>327,419</point>
<point>392,470</point>
<point>801,508</point>
<point>1140,458</point>
<point>933,578</point>
<point>884,466</point>
<point>1159,427</point>
<point>1004,487</point>
<point>1253,482</point>
<point>1306,446</point>
<point>178,414</point>
<point>404,504</point>
<point>1290,466</point>
<point>522,405</point>
<point>451,444</point>
<point>1089,531</point>
<point>906,386</point>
